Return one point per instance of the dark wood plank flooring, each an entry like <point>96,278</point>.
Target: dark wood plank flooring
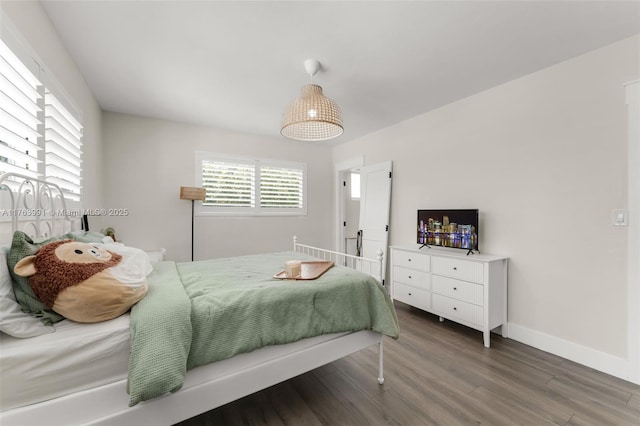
<point>440,373</point>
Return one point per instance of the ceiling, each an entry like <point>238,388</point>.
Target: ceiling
<point>236,65</point>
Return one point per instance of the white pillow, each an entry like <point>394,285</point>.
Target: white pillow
<point>156,256</point>
<point>13,320</point>
<point>135,264</point>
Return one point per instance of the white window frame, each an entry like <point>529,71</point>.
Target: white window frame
<point>256,210</point>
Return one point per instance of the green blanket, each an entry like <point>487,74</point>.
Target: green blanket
<point>237,306</point>
<point>160,336</point>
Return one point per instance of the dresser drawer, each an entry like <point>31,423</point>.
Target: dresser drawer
<point>412,296</point>
<point>411,260</point>
<point>460,269</point>
<point>411,277</point>
<point>456,309</point>
<point>456,289</point>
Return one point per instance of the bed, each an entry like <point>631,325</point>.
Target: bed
<point>89,368</point>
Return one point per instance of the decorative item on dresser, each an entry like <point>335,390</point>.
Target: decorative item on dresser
<point>470,290</point>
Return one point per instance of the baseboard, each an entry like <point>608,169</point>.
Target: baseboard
<point>601,361</point>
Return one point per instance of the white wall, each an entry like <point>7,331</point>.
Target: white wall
<point>147,161</point>
<point>42,39</point>
<point>544,158</point>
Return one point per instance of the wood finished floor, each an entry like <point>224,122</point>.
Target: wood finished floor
<point>440,373</point>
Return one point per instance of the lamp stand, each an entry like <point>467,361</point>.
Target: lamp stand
<point>192,225</point>
<point>192,194</point>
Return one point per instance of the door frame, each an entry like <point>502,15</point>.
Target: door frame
<point>340,172</point>
<point>632,90</point>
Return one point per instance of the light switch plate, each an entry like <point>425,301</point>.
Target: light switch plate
<point>619,217</point>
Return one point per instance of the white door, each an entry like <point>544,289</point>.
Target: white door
<point>375,199</point>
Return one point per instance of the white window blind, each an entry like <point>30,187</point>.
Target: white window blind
<point>229,184</point>
<point>63,147</point>
<point>245,186</point>
<point>32,119</point>
<point>20,96</point>
<point>281,187</point>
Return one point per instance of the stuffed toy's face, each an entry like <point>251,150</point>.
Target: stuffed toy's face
<point>77,252</point>
<point>74,279</point>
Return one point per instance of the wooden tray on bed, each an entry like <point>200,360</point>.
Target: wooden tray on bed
<point>310,270</point>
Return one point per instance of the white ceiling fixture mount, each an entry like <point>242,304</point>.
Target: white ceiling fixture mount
<point>312,116</point>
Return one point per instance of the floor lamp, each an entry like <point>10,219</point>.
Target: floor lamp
<point>193,194</point>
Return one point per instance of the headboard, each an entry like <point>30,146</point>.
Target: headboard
<point>34,206</point>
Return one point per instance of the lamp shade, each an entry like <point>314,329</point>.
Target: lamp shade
<point>312,117</point>
<point>190,193</point>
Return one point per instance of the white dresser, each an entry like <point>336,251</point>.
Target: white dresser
<point>468,289</point>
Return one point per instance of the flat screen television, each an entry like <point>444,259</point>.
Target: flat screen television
<point>449,228</point>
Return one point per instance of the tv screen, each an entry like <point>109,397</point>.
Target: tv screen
<point>449,228</point>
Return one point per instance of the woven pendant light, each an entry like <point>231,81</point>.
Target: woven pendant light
<point>312,117</point>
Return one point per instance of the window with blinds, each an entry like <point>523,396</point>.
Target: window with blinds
<point>281,187</point>
<point>243,186</point>
<point>63,147</point>
<point>20,109</point>
<point>229,184</point>
<point>39,137</point>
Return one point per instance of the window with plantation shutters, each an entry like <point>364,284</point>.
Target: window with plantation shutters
<point>281,187</point>
<point>229,184</point>
<point>20,99</point>
<point>63,147</point>
<point>245,186</point>
<point>39,137</point>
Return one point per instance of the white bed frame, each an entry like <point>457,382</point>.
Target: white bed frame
<point>209,386</point>
<point>34,206</point>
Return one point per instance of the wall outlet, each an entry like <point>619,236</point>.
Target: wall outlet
<point>619,217</point>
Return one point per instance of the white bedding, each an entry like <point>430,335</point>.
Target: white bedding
<point>75,357</point>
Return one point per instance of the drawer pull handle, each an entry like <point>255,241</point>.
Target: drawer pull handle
<point>455,288</point>
<point>455,309</point>
<point>455,269</point>
<point>409,260</point>
<point>409,294</point>
<point>409,276</point>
